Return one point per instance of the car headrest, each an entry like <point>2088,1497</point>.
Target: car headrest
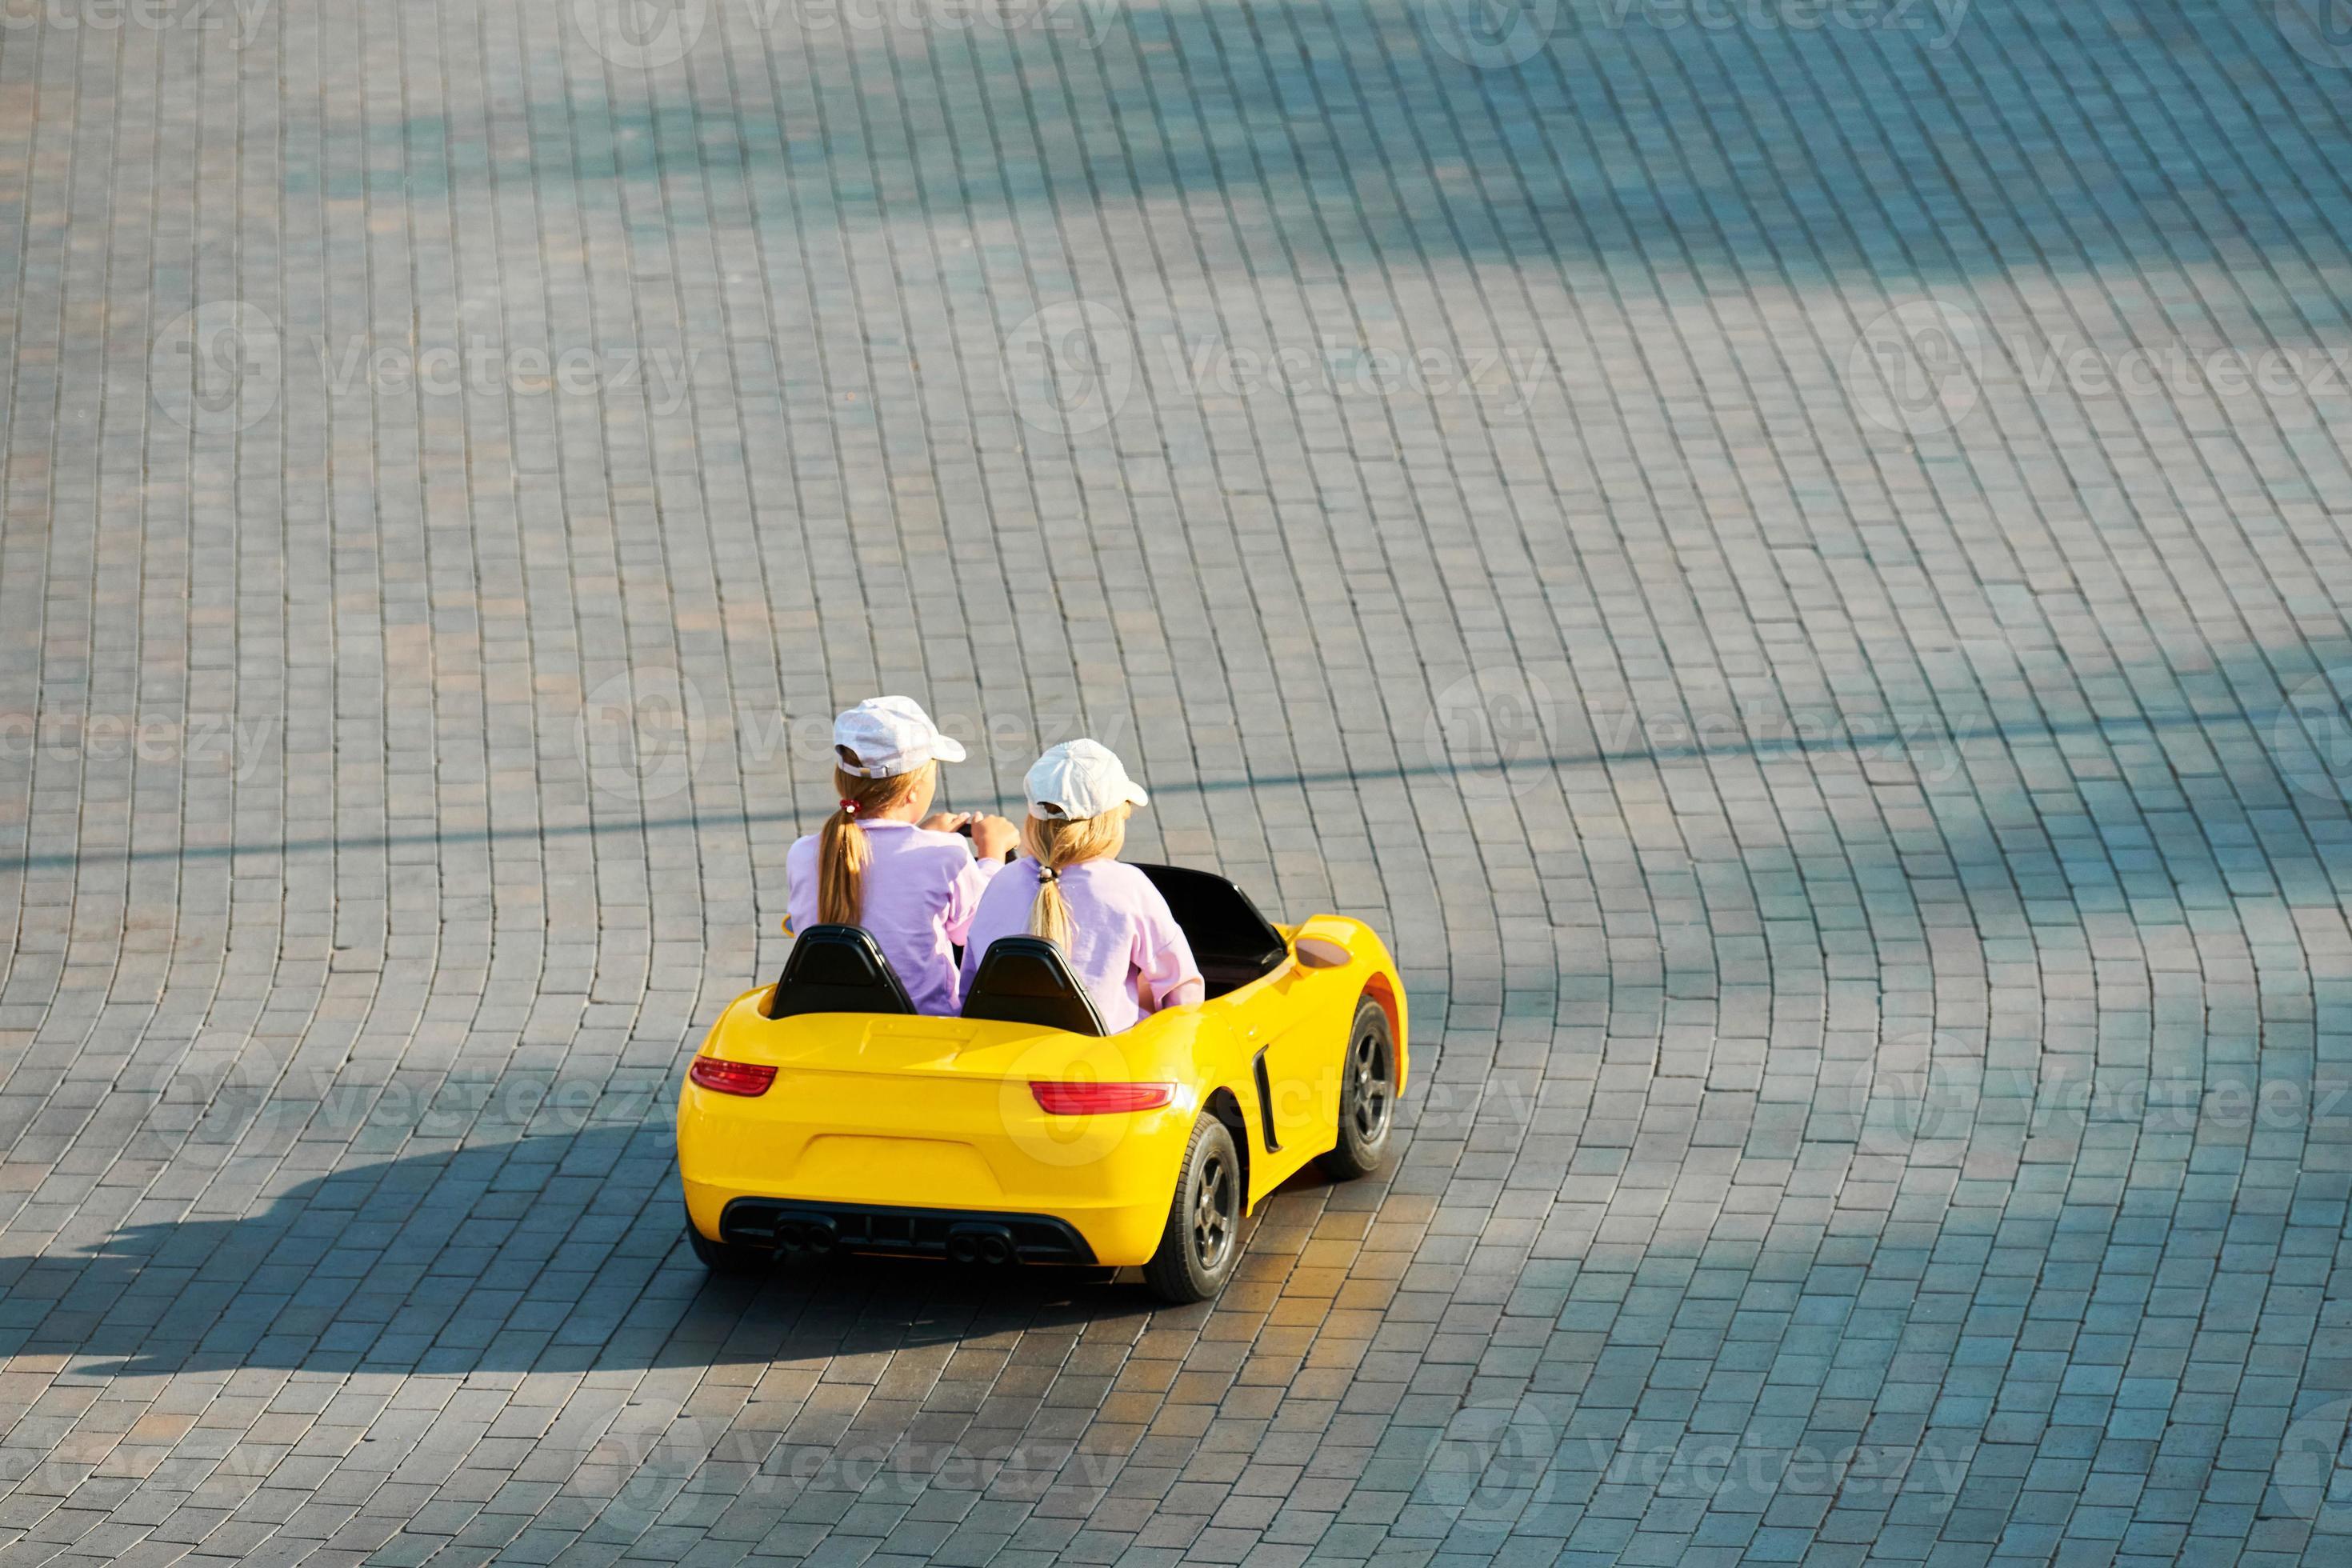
<point>838,969</point>
<point>1025,980</point>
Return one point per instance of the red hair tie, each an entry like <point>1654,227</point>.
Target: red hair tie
<point>849,808</point>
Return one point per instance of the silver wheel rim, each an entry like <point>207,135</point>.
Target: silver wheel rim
<point>1213,1213</point>
<point>1368,1082</point>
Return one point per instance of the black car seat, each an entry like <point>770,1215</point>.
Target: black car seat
<point>838,969</point>
<point>1025,980</point>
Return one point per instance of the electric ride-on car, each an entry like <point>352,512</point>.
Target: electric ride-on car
<point>823,1114</point>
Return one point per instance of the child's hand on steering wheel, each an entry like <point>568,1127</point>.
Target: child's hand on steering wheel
<point>992,837</point>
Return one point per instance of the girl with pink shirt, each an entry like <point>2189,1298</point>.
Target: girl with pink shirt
<point>913,881</point>
<point>1112,925</point>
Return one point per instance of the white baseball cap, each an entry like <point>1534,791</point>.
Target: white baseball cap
<point>891,735</point>
<point>1080,779</point>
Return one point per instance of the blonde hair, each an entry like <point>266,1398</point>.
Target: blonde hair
<point>1058,843</point>
<point>841,852</point>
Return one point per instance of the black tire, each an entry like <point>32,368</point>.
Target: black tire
<point>726,1257</point>
<point>1202,1241</point>
<point>1367,1095</point>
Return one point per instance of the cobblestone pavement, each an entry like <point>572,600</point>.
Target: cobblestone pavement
<point>1791,555</point>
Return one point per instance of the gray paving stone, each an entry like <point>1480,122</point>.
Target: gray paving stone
<point>1793,558</point>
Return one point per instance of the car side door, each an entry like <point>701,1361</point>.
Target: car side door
<point>1294,1062</point>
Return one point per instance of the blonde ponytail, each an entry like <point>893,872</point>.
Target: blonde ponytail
<point>841,851</point>
<point>1057,844</point>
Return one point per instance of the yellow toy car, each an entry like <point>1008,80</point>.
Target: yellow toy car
<point>824,1115</point>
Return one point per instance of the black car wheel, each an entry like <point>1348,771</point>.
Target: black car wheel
<point>727,1256</point>
<point>1367,1094</point>
<point>1203,1240</point>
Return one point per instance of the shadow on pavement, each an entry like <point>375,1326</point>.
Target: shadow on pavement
<point>560,1252</point>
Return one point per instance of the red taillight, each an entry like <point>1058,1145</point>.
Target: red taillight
<point>732,1078</point>
<point>1100,1099</point>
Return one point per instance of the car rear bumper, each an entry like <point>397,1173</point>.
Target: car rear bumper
<point>1110,1235</point>
<point>960,1236</point>
<point>827,1142</point>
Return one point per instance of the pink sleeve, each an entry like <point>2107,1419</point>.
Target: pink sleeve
<point>971,879</point>
<point>1165,972</point>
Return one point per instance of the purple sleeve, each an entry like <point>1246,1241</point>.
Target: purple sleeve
<point>975,938</point>
<point>971,880</point>
<point>1163,958</point>
<point>800,883</point>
